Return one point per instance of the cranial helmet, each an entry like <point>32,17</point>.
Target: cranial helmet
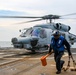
<point>56,33</point>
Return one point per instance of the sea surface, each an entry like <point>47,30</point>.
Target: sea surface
<point>6,44</point>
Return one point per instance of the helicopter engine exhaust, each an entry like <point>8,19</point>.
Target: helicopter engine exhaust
<point>63,27</point>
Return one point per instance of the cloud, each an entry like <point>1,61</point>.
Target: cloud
<point>11,13</point>
<point>33,8</point>
<point>39,6</point>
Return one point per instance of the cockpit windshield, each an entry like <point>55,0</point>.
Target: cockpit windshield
<point>36,32</point>
<point>26,32</point>
<point>39,32</point>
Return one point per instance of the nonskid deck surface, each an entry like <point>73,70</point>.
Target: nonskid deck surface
<point>22,62</point>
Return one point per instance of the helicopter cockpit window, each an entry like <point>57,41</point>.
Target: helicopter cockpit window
<point>36,32</point>
<point>39,32</point>
<point>43,33</point>
<point>26,32</point>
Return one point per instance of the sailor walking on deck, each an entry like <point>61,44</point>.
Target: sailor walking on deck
<point>58,44</point>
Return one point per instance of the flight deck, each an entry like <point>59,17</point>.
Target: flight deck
<point>23,62</point>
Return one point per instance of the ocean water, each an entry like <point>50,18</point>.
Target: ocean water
<point>6,44</point>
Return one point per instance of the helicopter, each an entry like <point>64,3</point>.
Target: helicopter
<point>39,36</point>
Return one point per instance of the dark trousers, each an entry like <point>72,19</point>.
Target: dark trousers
<point>59,62</point>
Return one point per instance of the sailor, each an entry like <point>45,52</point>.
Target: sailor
<point>58,44</point>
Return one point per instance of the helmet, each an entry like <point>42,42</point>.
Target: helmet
<point>55,33</point>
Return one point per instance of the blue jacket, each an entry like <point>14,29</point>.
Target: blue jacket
<point>57,44</point>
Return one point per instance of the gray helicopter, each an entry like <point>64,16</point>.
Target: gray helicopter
<point>39,36</point>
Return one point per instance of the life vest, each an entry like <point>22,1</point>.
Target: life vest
<point>57,45</point>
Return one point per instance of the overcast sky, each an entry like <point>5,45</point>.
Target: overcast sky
<point>9,29</point>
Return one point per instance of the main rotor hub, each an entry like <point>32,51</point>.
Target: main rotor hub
<point>51,17</point>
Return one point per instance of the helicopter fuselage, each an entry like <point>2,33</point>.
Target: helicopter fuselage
<point>39,36</point>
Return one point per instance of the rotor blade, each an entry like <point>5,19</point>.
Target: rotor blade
<point>30,21</point>
<point>67,18</point>
<point>18,17</point>
<point>43,17</point>
<point>69,14</point>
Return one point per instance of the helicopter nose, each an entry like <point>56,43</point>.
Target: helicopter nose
<point>14,40</point>
<point>20,40</point>
<point>27,42</point>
